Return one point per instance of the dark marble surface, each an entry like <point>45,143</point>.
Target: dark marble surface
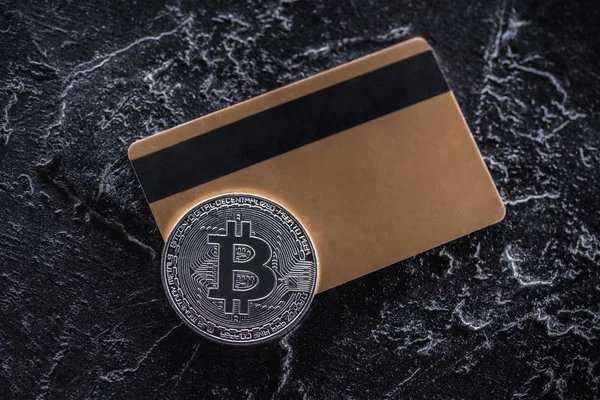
<point>510,312</point>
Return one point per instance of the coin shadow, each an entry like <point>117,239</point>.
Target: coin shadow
<point>217,365</point>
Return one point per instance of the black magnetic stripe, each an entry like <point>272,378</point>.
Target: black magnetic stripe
<point>289,126</point>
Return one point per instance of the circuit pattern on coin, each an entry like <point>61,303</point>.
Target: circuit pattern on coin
<point>239,269</point>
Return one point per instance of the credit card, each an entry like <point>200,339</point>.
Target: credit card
<point>373,158</point>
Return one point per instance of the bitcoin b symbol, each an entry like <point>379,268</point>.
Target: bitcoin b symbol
<point>242,271</point>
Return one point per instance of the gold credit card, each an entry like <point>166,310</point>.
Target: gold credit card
<point>374,158</point>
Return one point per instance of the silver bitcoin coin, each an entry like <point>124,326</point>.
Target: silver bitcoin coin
<point>239,269</point>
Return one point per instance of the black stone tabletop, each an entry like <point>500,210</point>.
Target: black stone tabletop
<point>510,312</point>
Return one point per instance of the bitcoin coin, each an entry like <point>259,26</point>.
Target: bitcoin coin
<point>239,269</point>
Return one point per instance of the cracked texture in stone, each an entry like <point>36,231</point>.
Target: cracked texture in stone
<point>512,311</point>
